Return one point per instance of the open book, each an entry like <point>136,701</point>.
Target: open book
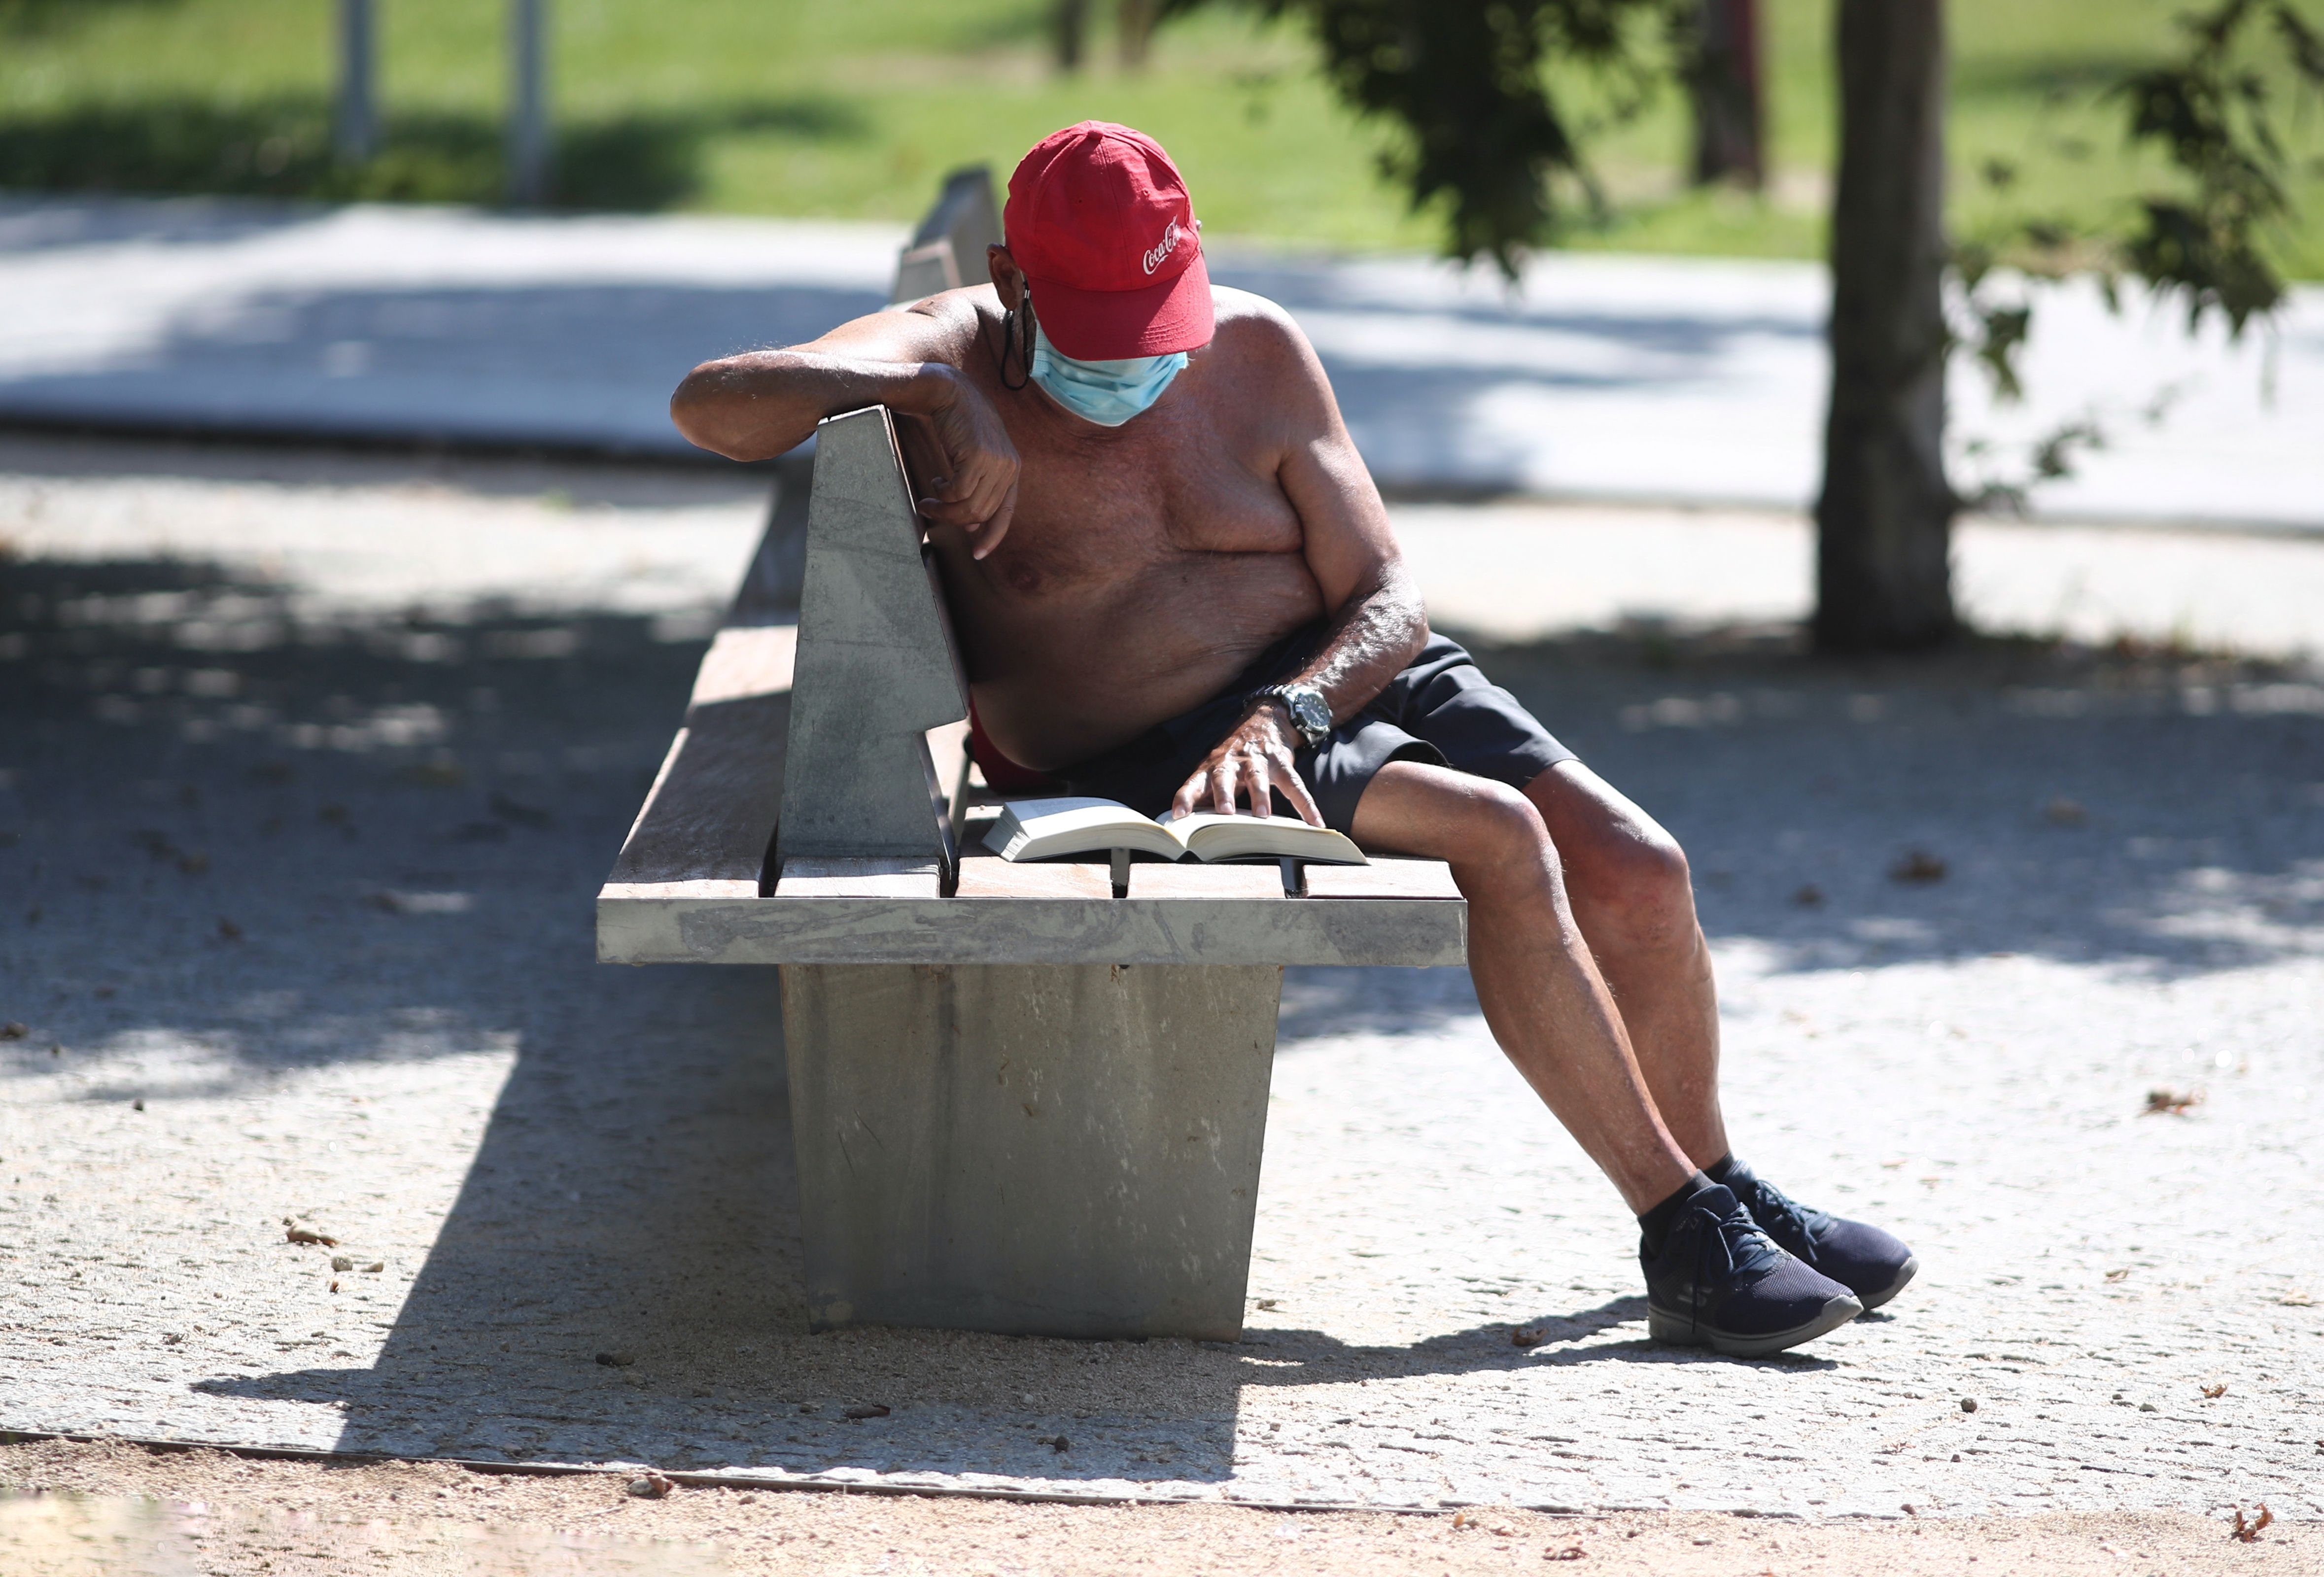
<point>1035,829</point>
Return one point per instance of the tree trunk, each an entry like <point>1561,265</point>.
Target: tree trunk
<point>1724,83</point>
<point>1884,544</point>
<point>1134,20</point>
<point>1068,30</point>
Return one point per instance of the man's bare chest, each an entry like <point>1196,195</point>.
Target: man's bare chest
<point>1094,515</point>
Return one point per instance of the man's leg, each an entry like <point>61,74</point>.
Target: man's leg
<point>1542,994</point>
<point>1627,885</point>
<point>1712,1275</point>
<point>1631,893</point>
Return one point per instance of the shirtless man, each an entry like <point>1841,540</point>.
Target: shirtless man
<point>1175,585</point>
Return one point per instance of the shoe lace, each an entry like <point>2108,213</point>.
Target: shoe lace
<point>1727,1246</point>
<point>1771,1206</point>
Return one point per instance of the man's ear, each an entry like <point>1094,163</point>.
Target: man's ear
<point>1008,279</point>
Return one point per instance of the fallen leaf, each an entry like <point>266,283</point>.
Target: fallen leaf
<point>374,1267</point>
<point>652,1486</point>
<point>2249,1531</point>
<point>296,1233</point>
<point>2174,1102</point>
<point>2215,1392</point>
<point>1570,1553</point>
<point>1918,866</point>
<point>1462,1519</point>
<point>1521,1337</point>
<point>342,1262</point>
<point>617,1360</point>
<point>862,1410</point>
<point>1810,896</point>
<point>2116,1275</point>
<point>335,1286</point>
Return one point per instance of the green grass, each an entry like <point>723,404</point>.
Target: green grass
<point>855,109</point>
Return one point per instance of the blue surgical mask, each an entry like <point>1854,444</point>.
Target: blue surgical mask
<point>1108,393</point>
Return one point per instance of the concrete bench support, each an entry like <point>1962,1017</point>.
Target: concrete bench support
<point>1057,1150</point>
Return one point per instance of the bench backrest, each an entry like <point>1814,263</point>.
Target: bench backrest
<point>876,665</point>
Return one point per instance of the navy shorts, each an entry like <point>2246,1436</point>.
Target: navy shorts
<point>1440,710</point>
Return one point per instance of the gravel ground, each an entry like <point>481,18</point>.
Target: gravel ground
<point>309,781</point>
<point>110,1508</point>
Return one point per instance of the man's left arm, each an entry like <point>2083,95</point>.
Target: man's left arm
<point>1377,625</point>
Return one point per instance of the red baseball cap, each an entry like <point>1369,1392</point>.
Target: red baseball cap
<point>1100,221</point>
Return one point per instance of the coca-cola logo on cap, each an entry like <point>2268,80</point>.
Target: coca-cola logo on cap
<point>1170,244</point>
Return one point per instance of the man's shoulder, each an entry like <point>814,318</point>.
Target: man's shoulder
<point>1245,312</point>
<point>1254,331</point>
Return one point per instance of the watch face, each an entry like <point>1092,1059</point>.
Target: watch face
<point>1311,711</point>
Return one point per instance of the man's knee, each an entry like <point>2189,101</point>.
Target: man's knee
<point>1501,833</point>
<point>1635,878</point>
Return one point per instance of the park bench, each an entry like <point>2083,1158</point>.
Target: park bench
<point>1024,1098</point>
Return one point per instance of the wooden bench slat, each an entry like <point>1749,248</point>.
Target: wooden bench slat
<point>712,812</point>
<point>988,876</point>
<point>830,876</point>
<point>1385,877</point>
<point>744,662</point>
<point>1198,882</point>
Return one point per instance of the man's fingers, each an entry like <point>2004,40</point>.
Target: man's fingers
<point>1296,791</point>
<point>1190,794</point>
<point>1262,801</point>
<point>1222,785</point>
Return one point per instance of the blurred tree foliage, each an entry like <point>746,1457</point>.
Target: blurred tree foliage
<point>1465,84</point>
<point>2228,136</point>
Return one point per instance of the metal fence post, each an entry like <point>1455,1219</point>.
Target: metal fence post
<point>354,131</point>
<point>529,150</point>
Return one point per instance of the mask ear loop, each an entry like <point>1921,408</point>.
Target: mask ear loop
<point>1009,336</point>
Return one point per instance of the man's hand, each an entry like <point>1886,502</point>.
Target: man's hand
<point>977,491</point>
<point>1254,761</point>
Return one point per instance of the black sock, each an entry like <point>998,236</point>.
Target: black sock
<point>1727,1171</point>
<point>1656,1224</point>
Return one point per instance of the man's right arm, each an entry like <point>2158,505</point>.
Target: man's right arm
<point>761,403</point>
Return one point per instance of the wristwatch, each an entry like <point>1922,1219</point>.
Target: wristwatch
<point>1311,715</point>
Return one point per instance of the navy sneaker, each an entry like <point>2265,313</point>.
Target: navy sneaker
<point>1720,1282</point>
<point>1872,1264</point>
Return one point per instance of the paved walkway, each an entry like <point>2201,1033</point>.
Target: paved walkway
<point>298,856</point>
<point>1607,377</point>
